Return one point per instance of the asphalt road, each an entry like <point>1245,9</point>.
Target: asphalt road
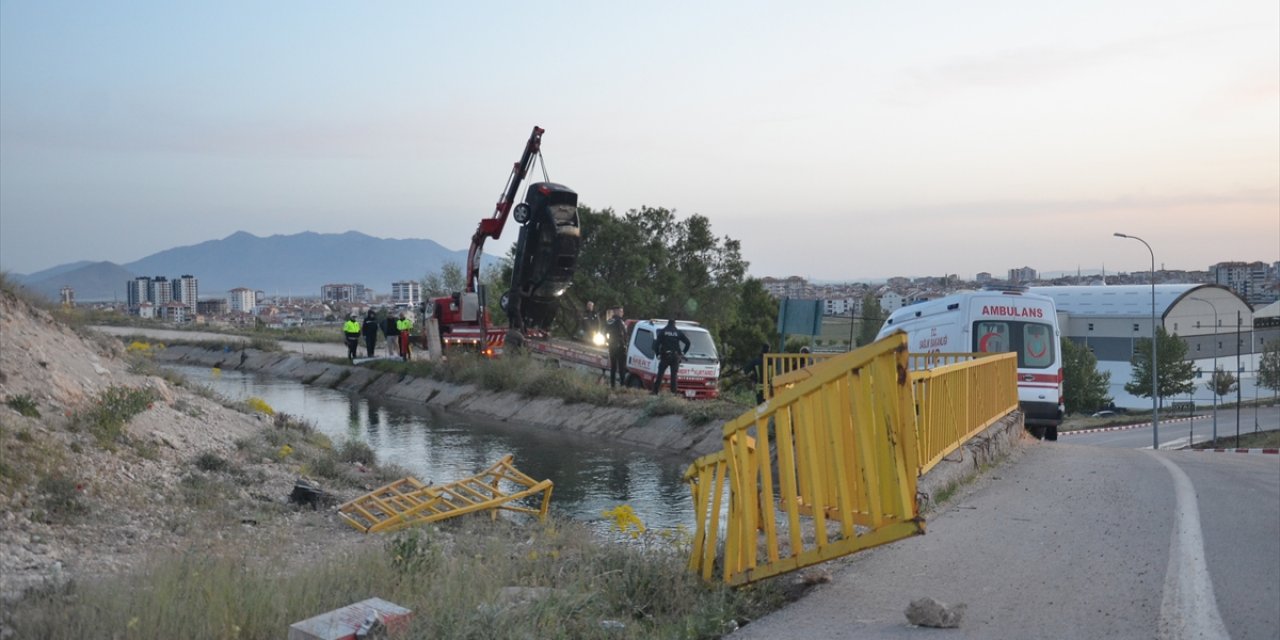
<point>1177,433</point>
<point>1070,541</point>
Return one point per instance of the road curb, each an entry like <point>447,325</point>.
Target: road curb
<point>1128,426</point>
<point>1273,451</point>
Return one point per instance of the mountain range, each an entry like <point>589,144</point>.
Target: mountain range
<point>297,264</point>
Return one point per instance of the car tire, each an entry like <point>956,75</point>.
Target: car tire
<point>1051,433</point>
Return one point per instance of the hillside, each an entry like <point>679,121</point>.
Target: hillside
<point>297,264</point>
<point>85,495</point>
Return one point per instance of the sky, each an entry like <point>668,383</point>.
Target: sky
<point>834,140</point>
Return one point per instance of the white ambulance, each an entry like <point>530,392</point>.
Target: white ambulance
<point>992,321</point>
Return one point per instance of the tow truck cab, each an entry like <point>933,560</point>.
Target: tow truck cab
<point>993,321</point>
<point>699,374</point>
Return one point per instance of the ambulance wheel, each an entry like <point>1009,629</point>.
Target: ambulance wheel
<point>1051,433</point>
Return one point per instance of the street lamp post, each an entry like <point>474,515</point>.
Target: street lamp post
<point>1155,361</point>
<point>1214,379</point>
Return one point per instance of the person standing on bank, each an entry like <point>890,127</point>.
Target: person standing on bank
<point>671,344</point>
<point>392,334</point>
<point>404,325</point>
<point>369,329</point>
<point>755,369</point>
<point>615,334</point>
<point>351,331</point>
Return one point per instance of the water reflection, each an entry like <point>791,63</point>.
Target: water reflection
<point>433,445</point>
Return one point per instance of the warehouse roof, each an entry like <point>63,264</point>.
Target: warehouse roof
<point>1128,300</point>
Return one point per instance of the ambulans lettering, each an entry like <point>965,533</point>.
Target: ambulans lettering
<point>1012,312</point>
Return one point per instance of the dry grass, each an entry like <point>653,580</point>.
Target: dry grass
<point>452,578</point>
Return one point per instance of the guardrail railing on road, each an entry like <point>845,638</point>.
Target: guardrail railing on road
<point>838,447</point>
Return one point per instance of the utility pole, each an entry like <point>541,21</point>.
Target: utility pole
<point>1239,373</point>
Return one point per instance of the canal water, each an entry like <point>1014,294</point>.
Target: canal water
<point>590,476</point>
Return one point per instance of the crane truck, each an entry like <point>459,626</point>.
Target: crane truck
<point>545,257</point>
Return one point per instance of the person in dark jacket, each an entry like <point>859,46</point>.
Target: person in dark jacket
<point>755,369</point>
<point>671,345</point>
<point>392,334</point>
<point>615,334</point>
<point>369,329</point>
<point>351,332</point>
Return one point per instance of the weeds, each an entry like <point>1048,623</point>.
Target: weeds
<point>111,411</point>
<point>24,405</point>
<point>450,576</point>
<point>60,497</point>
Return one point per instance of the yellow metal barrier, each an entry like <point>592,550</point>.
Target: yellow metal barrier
<point>408,502</point>
<point>958,399</point>
<point>839,446</point>
<point>783,369</point>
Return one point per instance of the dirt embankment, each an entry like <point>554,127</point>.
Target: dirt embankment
<point>628,421</point>
<point>74,506</point>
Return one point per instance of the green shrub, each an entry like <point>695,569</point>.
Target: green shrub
<point>209,461</point>
<point>112,410</point>
<point>61,497</point>
<point>353,451</point>
<point>24,405</point>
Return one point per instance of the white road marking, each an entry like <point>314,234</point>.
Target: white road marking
<point>1188,609</point>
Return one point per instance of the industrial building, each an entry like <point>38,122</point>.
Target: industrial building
<point>1216,323</point>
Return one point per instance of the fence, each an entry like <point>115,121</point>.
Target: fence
<point>845,454</point>
<point>958,399</point>
<point>840,444</point>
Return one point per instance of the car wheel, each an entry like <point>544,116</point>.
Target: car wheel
<point>504,300</point>
<point>1051,433</point>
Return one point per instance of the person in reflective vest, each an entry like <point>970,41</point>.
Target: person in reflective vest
<point>404,325</point>
<point>671,345</point>
<point>351,331</point>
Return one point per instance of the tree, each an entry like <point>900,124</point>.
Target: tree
<point>872,319</point>
<point>1269,367</point>
<point>1085,387</point>
<point>1174,374</point>
<point>447,281</point>
<point>1221,382</point>
<point>754,324</point>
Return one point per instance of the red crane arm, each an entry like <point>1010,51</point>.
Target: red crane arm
<point>491,227</point>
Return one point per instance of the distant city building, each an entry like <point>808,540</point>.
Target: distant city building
<point>67,296</point>
<point>790,287</point>
<point>837,307</point>
<point>173,311</point>
<point>212,307</point>
<point>186,289</point>
<point>241,300</point>
<point>342,293</point>
<point>160,291</point>
<point>983,277</point>
<point>1025,274</point>
<point>1256,282</point>
<point>137,292</point>
<point>891,301</point>
<point>406,293</point>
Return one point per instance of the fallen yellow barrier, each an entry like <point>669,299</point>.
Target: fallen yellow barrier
<point>408,501</point>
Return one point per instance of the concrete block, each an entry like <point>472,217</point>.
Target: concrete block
<point>342,624</point>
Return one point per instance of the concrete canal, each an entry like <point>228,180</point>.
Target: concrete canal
<point>433,445</point>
